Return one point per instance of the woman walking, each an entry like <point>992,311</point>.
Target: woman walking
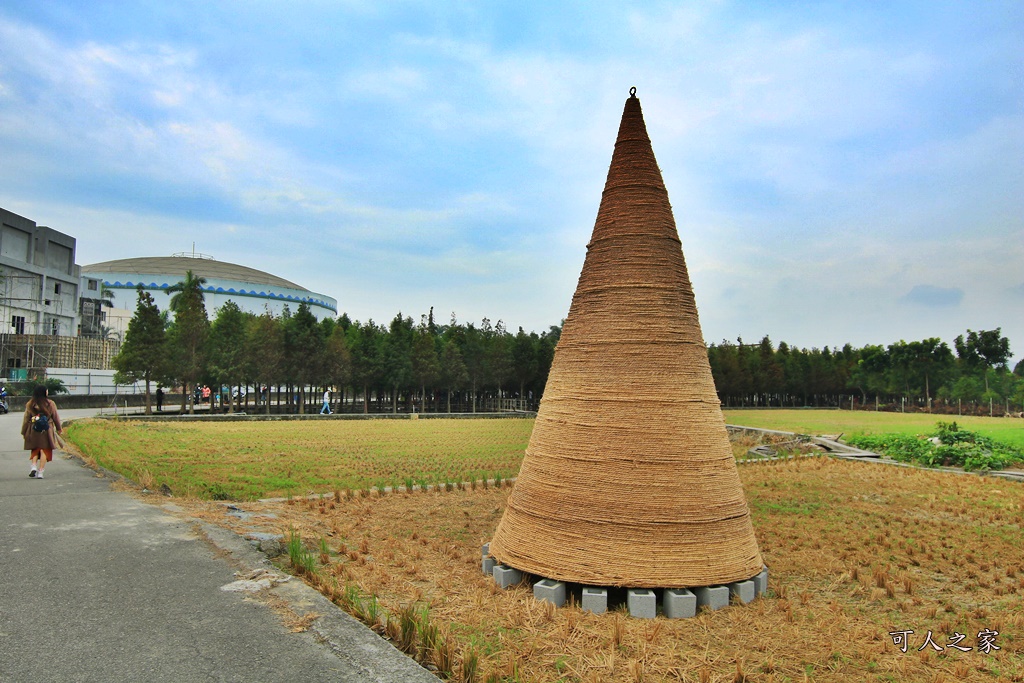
<point>39,425</point>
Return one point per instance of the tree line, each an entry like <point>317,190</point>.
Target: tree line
<point>973,375</point>
<point>407,365</point>
<point>464,367</point>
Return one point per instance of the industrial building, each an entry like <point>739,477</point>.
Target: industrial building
<point>63,320</point>
<point>41,296</point>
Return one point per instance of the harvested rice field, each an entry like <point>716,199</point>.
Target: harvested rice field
<point>860,555</point>
<point>242,460</point>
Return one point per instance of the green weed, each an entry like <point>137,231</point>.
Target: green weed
<point>303,561</point>
<point>950,446</point>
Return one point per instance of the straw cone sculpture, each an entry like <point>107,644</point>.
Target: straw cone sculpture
<point>629,478</point>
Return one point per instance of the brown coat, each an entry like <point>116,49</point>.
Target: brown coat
<point>36,440</point>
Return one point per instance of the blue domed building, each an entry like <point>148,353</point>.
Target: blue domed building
<point>252,290</point>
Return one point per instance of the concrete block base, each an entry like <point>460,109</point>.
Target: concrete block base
<point>679,603</point>
<point>643,603</point>
<point>594,600</point>
<point>487,563</point>
<point>743,591</point>
<point>761,582</point>
<point>550,590</point>
<point>714,597</point>
<point>506,576</point>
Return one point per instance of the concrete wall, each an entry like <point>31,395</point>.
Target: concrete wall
<point>39,292</point>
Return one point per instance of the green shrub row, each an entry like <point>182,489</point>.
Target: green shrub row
<point>948,446</point>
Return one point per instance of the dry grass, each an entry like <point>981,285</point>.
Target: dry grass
<point>855,551</point>
<point>779,444</point>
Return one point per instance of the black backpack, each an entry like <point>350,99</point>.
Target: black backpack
<point>41,423</point>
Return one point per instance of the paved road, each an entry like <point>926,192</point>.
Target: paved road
<point>96,585</point>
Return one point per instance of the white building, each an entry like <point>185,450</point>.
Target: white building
<point>252,290</point>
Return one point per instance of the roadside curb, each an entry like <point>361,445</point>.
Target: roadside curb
<point>375,658</point>
<point>348,639</point>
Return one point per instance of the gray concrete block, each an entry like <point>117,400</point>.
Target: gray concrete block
<point>595,600</point>
<point>714,597</point>
<point>643,603</point>
<point>743,590</point>
<point>679,603</point>
<point>506,576</point>
<point>488,564</point>
<point>550,590</point>
<point>761,582</point>
<point>485,550</point>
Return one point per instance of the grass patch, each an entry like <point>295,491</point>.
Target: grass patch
<point>1006,430</point>
<point>949,446</point>
<point>250,460</point>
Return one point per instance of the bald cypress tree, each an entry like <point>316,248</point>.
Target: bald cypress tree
<point>366,349</point>
<point>227,347</point>
<point>186,340</point>
<point>304,346</point>
<point>426,366</point>
<point>264,347</point>
<point>398,370</point>
<point>452,369</point>
<point>142,355</point>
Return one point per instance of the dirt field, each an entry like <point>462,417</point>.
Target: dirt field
<point>856,552</point>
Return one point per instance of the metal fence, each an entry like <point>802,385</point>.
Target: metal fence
<point>87,382</point>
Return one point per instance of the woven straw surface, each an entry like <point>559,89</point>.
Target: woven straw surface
<point>629,478</point>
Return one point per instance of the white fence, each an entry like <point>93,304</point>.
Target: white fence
<point>85,382</point>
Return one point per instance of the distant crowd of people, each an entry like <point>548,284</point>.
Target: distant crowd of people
<point>204,394</point>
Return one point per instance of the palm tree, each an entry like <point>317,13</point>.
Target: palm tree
<point>189,289</point>
<point>106,296</point>
<point>109,334</point>
<point>188,334</point>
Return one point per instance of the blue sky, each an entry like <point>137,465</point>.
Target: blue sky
<point>840,172</point>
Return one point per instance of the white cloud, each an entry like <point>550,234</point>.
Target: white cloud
<point>819,169</point>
